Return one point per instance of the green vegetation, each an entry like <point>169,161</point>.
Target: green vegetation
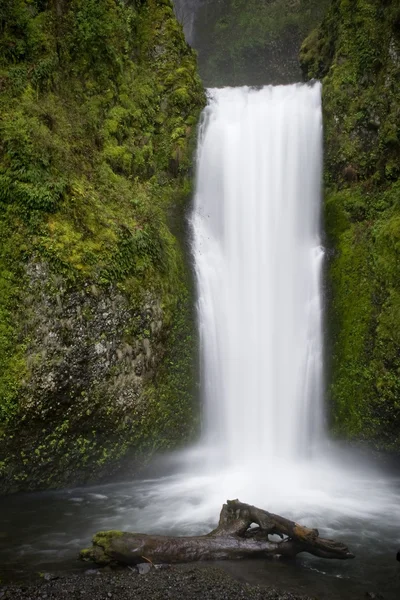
<point>253,42</point>
<point>98,109</point>
<point>100,551</point>
<point>356,52</point>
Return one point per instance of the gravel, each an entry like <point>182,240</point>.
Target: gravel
<point>210,583</point>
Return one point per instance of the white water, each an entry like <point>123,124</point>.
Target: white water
<point>258,260</point>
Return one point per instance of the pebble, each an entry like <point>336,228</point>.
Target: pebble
<point>50,576</point>
<point>143,568</point>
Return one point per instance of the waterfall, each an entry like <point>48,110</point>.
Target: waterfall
<point>258,262</point>
<point>258,259</point>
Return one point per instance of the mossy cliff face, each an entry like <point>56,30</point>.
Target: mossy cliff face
<point>98,107</point>
<point>356,52</point>
<point>251,42</point>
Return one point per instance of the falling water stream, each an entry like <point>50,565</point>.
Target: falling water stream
<point>258,260</point>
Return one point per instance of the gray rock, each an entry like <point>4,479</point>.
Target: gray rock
<point>143,568</point>
<point>162,567</point>
<point>50,576</point>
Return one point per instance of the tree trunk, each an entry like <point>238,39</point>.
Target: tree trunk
<point>233,538</point>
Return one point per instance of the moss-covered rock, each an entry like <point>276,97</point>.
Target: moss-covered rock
<point>98,109</point>
<point>101,552</point>
<point>356,52</point>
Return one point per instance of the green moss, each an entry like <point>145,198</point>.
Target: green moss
<point>171,409</point>
<point>97,114</point>
<point>85,554</point>
<point>100,551</point>
<point>103,536</point>
<point>353,310</point>
<point>12,364</point>
<point>356,52</point>
<point>364,311</point>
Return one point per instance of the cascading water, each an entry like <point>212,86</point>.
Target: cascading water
<point>258,261</point>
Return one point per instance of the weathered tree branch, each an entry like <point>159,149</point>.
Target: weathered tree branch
<point>233,538</point>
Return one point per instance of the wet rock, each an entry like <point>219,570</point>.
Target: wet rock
<point>50,576</point>
<point>143,568</point>
<point>80,377</point>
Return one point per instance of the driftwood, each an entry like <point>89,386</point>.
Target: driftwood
<point>233,538</point>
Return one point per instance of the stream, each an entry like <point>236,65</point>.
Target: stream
<point>43,532</point>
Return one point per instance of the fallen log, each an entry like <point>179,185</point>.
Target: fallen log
<point>234,538</point>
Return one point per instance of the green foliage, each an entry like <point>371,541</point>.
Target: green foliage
<point>12,365</point>
<point>357,53</point>
<point>364,314</point>
<point>98,104</point>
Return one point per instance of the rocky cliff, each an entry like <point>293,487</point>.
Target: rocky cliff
<point>98,109</point>
<point>356,52</point>
<point>186,13</point>
<point>251,42</point>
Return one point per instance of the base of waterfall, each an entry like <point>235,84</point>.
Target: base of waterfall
<point>182,495</point>
<point>234,538</point>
